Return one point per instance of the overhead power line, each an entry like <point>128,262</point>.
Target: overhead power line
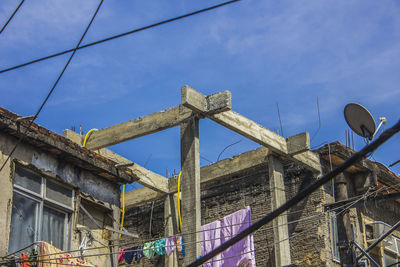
<point>120,35</point>
<point>52,88</point>
<point>386,135</point>
<point>12,15</point>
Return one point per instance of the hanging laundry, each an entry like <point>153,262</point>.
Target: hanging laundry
<point>121,255</point>
<point>148,249</point>
<point>160,246</point>
<point>210,236</point>
<point>170,245</point>
<point>133,253</point>
<point>24,261</point>
<point>50,256</point>
<point>229,226</point>
<point>180,245</point>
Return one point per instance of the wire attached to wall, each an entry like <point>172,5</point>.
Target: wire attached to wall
<point>52,88</point>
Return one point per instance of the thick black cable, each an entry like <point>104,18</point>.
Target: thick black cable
<point>121,35</point>
<point>386,135</point>
<point>52,88</point>
<point>12,15</point>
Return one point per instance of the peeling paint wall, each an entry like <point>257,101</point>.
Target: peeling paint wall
<point>54,167</point>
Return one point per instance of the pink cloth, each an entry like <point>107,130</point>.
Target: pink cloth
<point>231,225</point>
<point>170,245</point>
<point>210,236</point>
<point>121,255</point>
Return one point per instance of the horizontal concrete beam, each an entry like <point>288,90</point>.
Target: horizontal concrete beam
<point>142,126</point>
<point>218,170</point>
<point>295,147</point>
<point>142,175</point>
<point>267,138</point>
<point>298,143</point>
<point>211,104</point>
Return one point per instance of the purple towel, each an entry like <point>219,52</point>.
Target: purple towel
<point>225,229</point>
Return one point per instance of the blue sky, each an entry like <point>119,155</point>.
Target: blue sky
<point>264,52</point>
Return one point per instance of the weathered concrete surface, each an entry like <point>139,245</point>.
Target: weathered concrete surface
<point>148,124</point>
<point>171,226</point>
<point>210,104</point>
<point>190,185</point>
<point>218,170</point>
<point>61,147</point>
<point>5,203</point>
<point>55,168</point>
<point>298,143</point>
<point>143,176</point>
<point>278,197</point>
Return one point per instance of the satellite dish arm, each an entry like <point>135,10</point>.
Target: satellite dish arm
<point>382,121</point>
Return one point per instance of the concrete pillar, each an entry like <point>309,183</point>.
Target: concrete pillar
<point>171,226</point>
<point>278,197</point>
<point>345,234</point>
<point>190,186</point>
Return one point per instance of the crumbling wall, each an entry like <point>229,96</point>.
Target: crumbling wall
<point>308,240</point>
<point>55,168</point>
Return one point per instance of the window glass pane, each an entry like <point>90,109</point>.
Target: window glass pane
<point>23,222</point>
<point>335,238</point>
<point>57,192</point>
<point>53,226</point>
<point>28,179</point>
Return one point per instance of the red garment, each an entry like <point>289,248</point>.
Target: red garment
<point>25,260</point>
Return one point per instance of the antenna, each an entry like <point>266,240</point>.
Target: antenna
<point>361,121</point>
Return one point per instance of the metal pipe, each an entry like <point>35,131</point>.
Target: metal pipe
<point>366,254</point>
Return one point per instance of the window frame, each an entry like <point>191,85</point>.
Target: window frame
<point>44,201</point>
<point>334,238</point>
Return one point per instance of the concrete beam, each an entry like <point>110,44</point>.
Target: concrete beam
<point>211,104</point>
<point>267,138</point>
<point>190,185</point>
<point>142,126</point>
<point>278,197</point>
<point>298,143</point>
<point>142,175</point>
<point>218,170</point>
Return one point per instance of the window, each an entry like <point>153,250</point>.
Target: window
<point>42,210</point>
<point>335,238</point>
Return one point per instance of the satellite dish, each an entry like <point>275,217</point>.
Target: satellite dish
<point>360,120</point>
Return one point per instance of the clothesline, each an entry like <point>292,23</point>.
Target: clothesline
<point>185,243</point>
<point>104,254</point>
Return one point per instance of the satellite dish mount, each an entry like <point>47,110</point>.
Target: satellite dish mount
<point>361,121</point>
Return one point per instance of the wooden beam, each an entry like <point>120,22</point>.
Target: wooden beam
<point>142,175</point>
<point>149,124</point>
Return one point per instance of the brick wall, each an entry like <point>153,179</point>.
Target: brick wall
<point>250,188</point>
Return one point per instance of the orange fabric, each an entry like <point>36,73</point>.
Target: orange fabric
<point>58,260</point>
<point>25,260</point>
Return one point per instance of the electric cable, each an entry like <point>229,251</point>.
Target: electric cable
<point>122,34</point>
<point>386,135</point>
<point>12,15</point>
<point>52,89</point>
<point>185,243</point>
